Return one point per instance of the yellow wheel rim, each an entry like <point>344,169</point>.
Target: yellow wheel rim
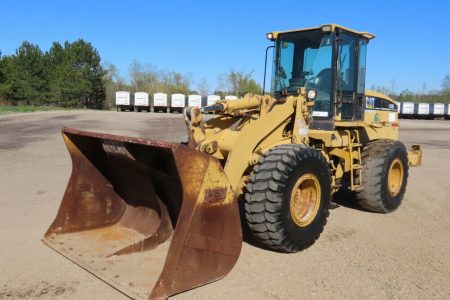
<point>395,177</point>
<point>305,199</point>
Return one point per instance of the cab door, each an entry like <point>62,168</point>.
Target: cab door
<point>350,77</point>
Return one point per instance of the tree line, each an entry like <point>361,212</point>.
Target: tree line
<point>434,96</point>
<point>67,75</point>
<point>72,75</point>
<point>150,79</point>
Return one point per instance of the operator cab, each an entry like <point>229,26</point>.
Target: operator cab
<point>330,63</point>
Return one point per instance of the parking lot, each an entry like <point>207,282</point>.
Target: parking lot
<point>360,254</point>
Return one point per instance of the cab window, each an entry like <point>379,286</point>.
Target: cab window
<point>381,104</point>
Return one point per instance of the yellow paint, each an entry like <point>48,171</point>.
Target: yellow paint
<point>215,188</point>
<point>333,27</point>
<point>247,128</point>
<point>395,177</point>
<point>415,155</point>
<point>305,200</point>
<point>251,136</point>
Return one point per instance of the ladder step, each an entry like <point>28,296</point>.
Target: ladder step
<point>356,145</point>
<point>357,188</point>
<point>357,166</point>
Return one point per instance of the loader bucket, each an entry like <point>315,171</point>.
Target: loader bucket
<point>150,218</point>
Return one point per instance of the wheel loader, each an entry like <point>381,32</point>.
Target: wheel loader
<point>154,218</point>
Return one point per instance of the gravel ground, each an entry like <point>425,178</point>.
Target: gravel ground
<point>403,255</point>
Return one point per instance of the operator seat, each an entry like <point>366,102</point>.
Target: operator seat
<point>322,84</point>
<point>323,80</point>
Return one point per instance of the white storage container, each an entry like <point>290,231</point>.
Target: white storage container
<point>160,102</point>
<point>177,102</point>
<point>123,98</point>
<point>124,101</point>
<point>407,108</point>
<point>141,101</point>
<point>195,100</point>
<point>212,99</point>
<point>424,109</point>
<point>438,109</point>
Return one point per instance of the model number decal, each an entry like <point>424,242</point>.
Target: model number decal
<point>320,114</point>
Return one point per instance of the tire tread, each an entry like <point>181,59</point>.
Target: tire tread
<point>264,195</point>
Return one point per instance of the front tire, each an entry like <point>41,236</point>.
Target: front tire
<point>384,176</point>
<point>288,196</point>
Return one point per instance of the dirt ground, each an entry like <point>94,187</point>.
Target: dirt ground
<point>360,254</point>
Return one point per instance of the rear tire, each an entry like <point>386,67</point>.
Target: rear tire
<point>288,196</point>
<point>384,176</point>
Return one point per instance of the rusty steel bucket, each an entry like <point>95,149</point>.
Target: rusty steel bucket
<point>150,218</point>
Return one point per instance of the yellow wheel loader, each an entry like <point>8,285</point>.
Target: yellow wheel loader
<point>154,218</point>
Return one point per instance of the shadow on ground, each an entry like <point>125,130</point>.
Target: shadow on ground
<point>346,198</point>
<point>342,198</point>
<point>17,134</point>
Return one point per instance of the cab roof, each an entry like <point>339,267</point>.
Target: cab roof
<point>324,27</point>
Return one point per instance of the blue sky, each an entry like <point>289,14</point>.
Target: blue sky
<point>207,38</point>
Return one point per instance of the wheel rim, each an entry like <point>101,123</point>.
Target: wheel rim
<point>395,177</point>
<point>305,199</point>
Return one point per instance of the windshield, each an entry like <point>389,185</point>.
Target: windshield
<point>303,59</point>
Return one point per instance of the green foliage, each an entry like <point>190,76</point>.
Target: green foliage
<point>113,83</point>
<point>251,86</point>
<point>147,78</point>
<point>406,96</point>
<point>220,93</point>
<point>68,75</point>
<point>174,82</point>
<point>71,75</point>
<point>26,108</point>
<point>144,78</point>
<point>437,96</point>
<point>239,83</point>
<point>23,75</point>
<point>446,85</point>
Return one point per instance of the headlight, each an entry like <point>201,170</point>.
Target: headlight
<point>270,36</point>
<point>326,28</point>
<point>312,94</point>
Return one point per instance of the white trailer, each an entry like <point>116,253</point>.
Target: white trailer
<point>141,101</point>
<point>212,99</point>
<point>124,101</point>
<point>195,100</point>
<point>407,110</point>
<point>231,97</point>
<point>438,109</point>
<point>160,102</point>
<point>177,102</point>
<point>447,111</point>
<point>423,110</point>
